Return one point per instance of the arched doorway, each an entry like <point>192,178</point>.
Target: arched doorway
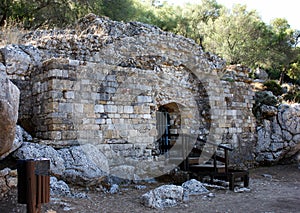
<point>168,124</point>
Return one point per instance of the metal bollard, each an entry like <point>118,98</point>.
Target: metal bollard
<point>33,183</point>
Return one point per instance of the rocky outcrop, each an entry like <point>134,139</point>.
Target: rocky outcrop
<point>8,180</point>
<point>84,165</point>
<point>80,165</point>
<point>37,151</point>
<point>20,59</point>
<point>278,133</point>
<point>9,104</point>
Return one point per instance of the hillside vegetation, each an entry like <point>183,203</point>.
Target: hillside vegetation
<point>237,34</point>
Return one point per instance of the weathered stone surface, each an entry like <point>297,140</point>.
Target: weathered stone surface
<point>84,165</point>
<point>17,61</point>
<point>59,187</point>
<point>278,137</point>
<point>261,74</point>
<point>163,197</point>
<point>8,180</point>
<point>126,172</point>
<point>268,111</point>
<point>18,141</point>
<point>194,187</point>
<point>35,56</point>
<point>9,104</point>
<point>2,68</point>
<point>289,118</point>
<point>36,151</point>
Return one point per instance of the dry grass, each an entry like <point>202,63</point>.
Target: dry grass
<point>11,34</point>
<point>257,86</point>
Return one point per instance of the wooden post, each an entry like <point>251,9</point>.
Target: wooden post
<point>31,186</point>
<point>33,183</point>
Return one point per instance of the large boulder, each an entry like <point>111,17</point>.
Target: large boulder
<point>164,196</point>
<point>84,165</point>
<point>21,135</point>
<point>79,165</point>
<point>37,151</point>
<point>9,105</point>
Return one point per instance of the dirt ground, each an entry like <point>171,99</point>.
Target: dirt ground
<point>272,189</point>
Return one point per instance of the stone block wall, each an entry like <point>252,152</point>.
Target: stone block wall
<point>104,82</point>
<point>77,102</point>
<point>241,130</point>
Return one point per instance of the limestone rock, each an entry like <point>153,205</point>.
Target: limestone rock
<point>261,74</point>
<point>114,189</point>
<point>18,141</point>
<point>194,187</point>
<point>84,165</point>
<point>36,151</point>
<point>268,111</point>
<point>17,61</point>
<point>279,134</point>
<point>59,187</point>
<point>2,67</point>
<point>123,171</point>
<point>264,136</point>
<point>35,55</point>
<point>289,117</point>
<point>8,180</point>
<point>9,104</point>
<point>163,196</point>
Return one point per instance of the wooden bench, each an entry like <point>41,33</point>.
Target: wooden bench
<point>218,168</point>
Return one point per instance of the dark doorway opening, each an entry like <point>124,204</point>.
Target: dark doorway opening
<point>168,124</point>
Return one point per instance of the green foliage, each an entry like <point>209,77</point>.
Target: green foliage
<point>263,98</point>
<point>194,19</point>
<point>274,87</point>
<point>33,14</point>
<point>273,74</point>
<point>237,34</point>
<point>119,10</point>
<point>292,97</point>
<point>164,16</point>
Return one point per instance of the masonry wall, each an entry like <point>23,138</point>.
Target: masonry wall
<point>241,130</point>
<point>105,84</point>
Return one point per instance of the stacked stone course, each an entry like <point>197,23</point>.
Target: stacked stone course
<point>104,82</point>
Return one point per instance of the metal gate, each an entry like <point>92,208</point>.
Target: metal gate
<point>163,130</point>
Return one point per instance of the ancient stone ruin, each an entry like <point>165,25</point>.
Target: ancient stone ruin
<point>112,87</point>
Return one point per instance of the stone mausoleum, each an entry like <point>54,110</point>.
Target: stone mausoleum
<point>133,91</point>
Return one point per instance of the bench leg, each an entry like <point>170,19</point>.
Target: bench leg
<point>246,180</point>
<point>231,182</point>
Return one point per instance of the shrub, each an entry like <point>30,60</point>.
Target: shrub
<point>293,96</point>
<point>274,87</point>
